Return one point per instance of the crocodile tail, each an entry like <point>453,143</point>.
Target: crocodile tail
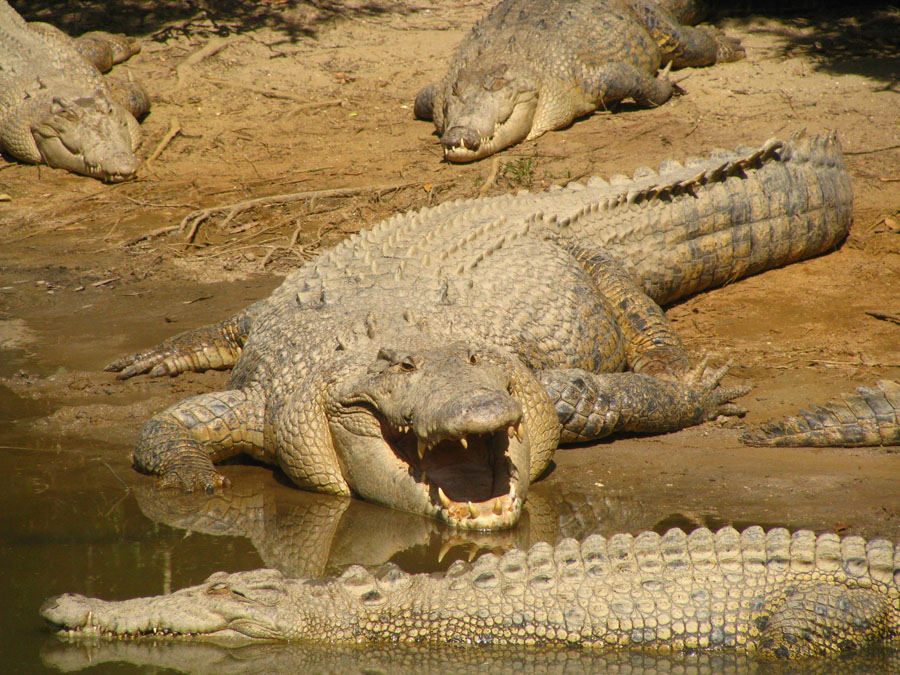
<point>687,228</point>
<point>868,417</point>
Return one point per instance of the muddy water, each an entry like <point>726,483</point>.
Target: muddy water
<point>76,518</point>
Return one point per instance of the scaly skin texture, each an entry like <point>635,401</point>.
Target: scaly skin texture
<point>55,106</point>
<point>535,65</point>
<point>867,417</point>
<point>424,365</point>
<point>775,594</point>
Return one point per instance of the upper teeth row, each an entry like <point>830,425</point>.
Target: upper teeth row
<point>513,430</point>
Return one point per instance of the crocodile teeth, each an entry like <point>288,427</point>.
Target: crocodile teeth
<point>463,442</point>
<point>445,549</point>
<point>515,430</point>
<point>512,493</point>
<point>498,506</point>
<point>473,512</point>
<point>445,500</point>
<point>421,447</point>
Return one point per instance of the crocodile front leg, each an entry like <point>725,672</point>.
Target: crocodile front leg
<point>590,405</point>
<point>182,443</point>
<point>214,347</point>
<point>613,82</point>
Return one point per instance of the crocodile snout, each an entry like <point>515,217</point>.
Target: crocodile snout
<point>461,137</point>
<point>480,413</point>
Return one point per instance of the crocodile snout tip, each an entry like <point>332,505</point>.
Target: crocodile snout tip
<point>464,137</point>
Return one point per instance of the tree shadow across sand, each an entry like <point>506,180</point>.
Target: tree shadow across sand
<point>161,19</point>
<point>861,38</point>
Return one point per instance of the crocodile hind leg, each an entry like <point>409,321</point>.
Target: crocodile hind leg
<point>868,417</point>
<point>652,346</point>
<point>182,443</point>
<point>825,619</point>
<point>590,405</point>
<point>686,46</point>
<point>214,347</point>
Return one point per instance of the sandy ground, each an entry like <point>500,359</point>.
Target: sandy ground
<point>252,100</point>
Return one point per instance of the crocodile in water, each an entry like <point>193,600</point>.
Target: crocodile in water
<point>535,65</point>
<point>434,363</point>
<point>57,108</point>
<point>775,594</point>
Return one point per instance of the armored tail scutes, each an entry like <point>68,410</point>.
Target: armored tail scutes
<point>775,594</point>
<point>434,363</point>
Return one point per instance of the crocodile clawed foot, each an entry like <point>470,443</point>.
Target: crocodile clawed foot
<point>718,400</point>
<point>727,48</point>
<point>136,364</point>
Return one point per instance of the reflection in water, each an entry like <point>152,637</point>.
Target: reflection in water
<point>306,534</point>
<point>206,659</point>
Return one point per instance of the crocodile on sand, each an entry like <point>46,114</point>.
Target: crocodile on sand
<point>433,363</point>
<point>531,66</point>
<point>56,107</point>
<point>772,594</point>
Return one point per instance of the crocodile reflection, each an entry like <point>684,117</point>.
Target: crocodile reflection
<point>411,659</point>
<point>306,534</point>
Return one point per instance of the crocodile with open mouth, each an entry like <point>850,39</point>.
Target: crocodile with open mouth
<point>434,362</point>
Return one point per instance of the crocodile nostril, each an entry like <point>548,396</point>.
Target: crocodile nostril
<point>461,136</point>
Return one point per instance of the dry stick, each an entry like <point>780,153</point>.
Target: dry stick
<point>275,93</point>
<point>885,316</point>
<point>192,221</point>
<point>211,47</point>
<point>491,177</point>
<point>869,152</point>
<point>150,235</point>
<point>174,130</point>
<point>290,245</point>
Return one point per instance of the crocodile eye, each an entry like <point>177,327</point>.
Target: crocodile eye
<point>219,588</point>
<point>407,366</point>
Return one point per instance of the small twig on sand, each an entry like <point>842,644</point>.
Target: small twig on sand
<point>869,152</point>
<point>151,235</point>
<point>885,179</point>
<point>303,101</point>
<point>174,130</point>
<point>885,316</point>
<point>491,177</point>
<point>211,47</point>
<point>191,222</point>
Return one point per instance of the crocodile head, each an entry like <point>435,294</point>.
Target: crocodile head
<point>227,608</point>
<point>448,432</point>
<point>88,135</point>
<point>487,110</point>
